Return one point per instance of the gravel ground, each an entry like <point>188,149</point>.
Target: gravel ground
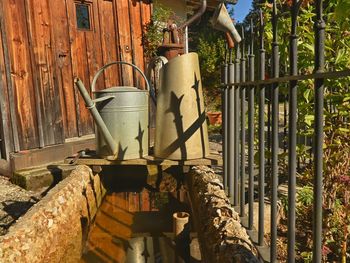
<point>14,202</point>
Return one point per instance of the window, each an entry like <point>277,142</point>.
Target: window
<point>83,15</point>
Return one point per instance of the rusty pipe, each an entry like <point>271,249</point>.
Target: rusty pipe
<point>196,15</point>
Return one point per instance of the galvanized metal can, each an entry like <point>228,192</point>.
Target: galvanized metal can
<point>126,117</point>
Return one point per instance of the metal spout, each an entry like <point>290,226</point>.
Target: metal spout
<point>222,21</point>
<point>90,104</point>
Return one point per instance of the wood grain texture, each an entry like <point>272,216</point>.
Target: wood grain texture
<point>63,66</point>
<point>46,86</point>
<point>109,42</point>
<point>41,51</point>
<point>123,18</point>
<point>6,145</point>
<point>212,159</point>
<point>80,69</point>
<point>6,68</point>
<point>136,36</point>
<point>93,46</point>
<point>21,73</point>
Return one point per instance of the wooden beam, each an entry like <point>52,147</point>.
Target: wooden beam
<point>11,102</point>
<point>50,154</point>
<point>212,159</point>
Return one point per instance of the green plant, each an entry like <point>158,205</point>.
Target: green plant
<point>305,196</point>
<point>153,36</point>
<point>210,46</point>
<point>336,195</point>
<point>214,129</point>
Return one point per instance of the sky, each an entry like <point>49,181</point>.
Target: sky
<point>241,9</point>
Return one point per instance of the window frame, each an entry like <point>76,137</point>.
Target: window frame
<point>89,6</point>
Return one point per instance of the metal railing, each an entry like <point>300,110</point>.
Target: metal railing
<point>238,147</point>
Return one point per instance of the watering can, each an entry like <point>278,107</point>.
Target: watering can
<point>222,21</point>
<point>181,128</point>
<point>121,116</point>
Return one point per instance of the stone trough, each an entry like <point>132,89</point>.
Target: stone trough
<point>56,228</point>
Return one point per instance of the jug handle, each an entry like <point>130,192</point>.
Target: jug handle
<point>161,60</point>
<point>121,63</point>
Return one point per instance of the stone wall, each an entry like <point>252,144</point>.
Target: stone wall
<point>54,230</point>
<point>221,235</point>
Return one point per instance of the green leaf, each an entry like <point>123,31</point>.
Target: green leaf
<point>306,95</point>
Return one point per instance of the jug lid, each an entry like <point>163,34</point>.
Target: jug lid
<point>120,89</point>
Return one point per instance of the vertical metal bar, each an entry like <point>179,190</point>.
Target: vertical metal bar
<point>319,27</point>
<point>261,136</point>
<point>292,136</point>
<point>243,139</point>
<point>230,134</point>
<point>268,139</point>
<point>236,116</point>
<point>274,148</point>
<point>224,80</point>
<point>236,119</point>
<point>285,130</point>
<point>251,130</point>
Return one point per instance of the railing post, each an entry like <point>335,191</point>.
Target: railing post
<point>251,131</point>
<point>231,117</point>
<point>274,148</point>
<point>224,104</point>
<point>261,136</point>
<point>243,140</point>
<point>320,27</point>
<point>236,120</point>
<point>292,136</point>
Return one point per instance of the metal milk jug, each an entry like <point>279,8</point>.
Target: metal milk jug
<point>181,129</point>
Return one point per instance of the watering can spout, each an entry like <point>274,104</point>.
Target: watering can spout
<point>90,104</point>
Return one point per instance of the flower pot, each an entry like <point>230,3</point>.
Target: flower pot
<point>215,118</point>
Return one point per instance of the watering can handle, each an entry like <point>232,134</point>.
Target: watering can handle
<point>118,63</point>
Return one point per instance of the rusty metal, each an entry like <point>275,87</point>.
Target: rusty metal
<point>196,15</point>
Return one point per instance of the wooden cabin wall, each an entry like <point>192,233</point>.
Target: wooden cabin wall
<point>42,51</point>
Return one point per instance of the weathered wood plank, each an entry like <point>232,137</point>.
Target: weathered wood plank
<point>35,38</point>
<point>136,36</point>
<point>93,47</point>
<point>212,159</point>
<point>63,66</point>
<point>7,68</point>
<point>80,69</point>
<point>146,11</point>
<point>123,18</point>
<point>45,61</point>
<point>5,125</point>
<point>110,48</point>
<point>21,73</point>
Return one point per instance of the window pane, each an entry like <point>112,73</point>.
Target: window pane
<point>83,16</point>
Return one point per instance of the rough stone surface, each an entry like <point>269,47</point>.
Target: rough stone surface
<point>222,237</point>
<point>37,178</point>
<point>53,230</point>
<point>267,215</point>
<point>14,202</point>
